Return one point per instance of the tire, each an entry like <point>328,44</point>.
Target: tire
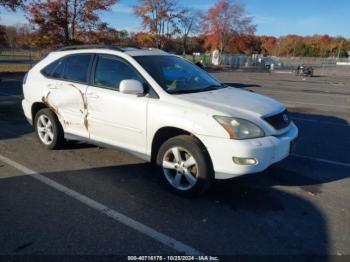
<point>185,166</point>
<point>46,122</point>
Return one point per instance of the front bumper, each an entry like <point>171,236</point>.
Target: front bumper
<point>266,151</point>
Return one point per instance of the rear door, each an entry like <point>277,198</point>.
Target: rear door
<point>66,93</point>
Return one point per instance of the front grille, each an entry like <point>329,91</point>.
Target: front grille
<point>279,121</point>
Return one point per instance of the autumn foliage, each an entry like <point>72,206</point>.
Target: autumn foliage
<point>224,21</point>
<point>66,21</point>
<point>166,25</point>
<point>11,4</point>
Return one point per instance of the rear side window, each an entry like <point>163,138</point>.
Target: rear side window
<point>59,70</point>
<point>77,67</point>
<point>47,71</point>
<point>110,71</point>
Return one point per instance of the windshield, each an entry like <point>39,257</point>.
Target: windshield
<point>176,75</point>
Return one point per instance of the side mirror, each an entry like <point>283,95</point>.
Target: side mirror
<point>132,87</point>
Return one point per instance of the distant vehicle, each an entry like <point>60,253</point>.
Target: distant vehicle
<point>267,63</point>
<point>159,107</point>
<point>303,70</point>
<point>199,64</point>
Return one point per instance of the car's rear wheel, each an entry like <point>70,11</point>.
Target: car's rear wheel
<point>185,165</point>
<point>48,129</point>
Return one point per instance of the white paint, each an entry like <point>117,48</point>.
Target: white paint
<point>283,72</point>
<point>323,160</point>
<point>232,148</point>
<point>68,99</point>
<point>118,119</point>
<point>111,117</point>
<point>215,58</point>
<point>131,87</point>
<point>119,217</point>
<point>343,63</point>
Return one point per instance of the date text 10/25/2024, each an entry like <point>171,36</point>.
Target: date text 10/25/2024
<point>173,258</point>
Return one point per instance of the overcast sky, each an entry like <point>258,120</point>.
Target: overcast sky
<point>272,17</point>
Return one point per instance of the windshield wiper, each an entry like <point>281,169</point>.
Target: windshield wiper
<point>206,89</point>
<point>214,87</point>
<point>211,88</point>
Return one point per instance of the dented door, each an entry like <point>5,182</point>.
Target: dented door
<point>68,101</point>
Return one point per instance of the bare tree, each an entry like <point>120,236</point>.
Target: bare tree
<point>188,24</point>
<point>159,17</point>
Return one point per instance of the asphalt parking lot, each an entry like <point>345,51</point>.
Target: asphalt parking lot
<point>86,200</point>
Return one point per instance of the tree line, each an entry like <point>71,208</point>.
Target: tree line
<point>166,25</point>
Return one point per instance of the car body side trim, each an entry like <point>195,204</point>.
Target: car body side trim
<point>139,155</point>
<point>132,129</point>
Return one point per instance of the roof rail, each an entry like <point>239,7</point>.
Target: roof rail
<point>111,47</point>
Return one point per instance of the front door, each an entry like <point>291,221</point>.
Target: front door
<point>115,118</point>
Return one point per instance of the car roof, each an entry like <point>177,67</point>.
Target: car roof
<point>146,52</point>
<point>132,51</point>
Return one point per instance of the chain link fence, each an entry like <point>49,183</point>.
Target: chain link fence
<point>242,60</point>
<point>19,60</point>
<point>258,63</point>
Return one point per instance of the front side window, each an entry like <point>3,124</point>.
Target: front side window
<point>77,67</point>
<point>110,71</point>
<point>176,75</point>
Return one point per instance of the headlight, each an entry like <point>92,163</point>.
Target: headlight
<point>239,128</point>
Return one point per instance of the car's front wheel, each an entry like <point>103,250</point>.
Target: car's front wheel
<point>185,165</point>
<point>48,129</point>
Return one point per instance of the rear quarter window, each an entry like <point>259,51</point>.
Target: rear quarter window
<point>47,71</point>
<point>59,70</point>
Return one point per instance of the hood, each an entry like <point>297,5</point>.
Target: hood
<point>235,102</point>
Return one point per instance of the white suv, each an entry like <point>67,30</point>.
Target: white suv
<point>159,107</point>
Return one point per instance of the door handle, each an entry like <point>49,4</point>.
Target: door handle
<point>92,95</point>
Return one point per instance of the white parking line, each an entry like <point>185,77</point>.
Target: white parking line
<point>323,160</point>
<point>119,217</point>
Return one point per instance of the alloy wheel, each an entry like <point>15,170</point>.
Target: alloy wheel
<point>45,130</point>
<point>180,168</point>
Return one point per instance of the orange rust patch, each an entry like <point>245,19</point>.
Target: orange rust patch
<point>85,106</point>
<point>45,100</point>
<point>81,94</point>
<point>86,123</point>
